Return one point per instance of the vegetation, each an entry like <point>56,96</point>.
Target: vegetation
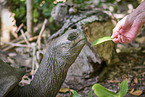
<point>41,9</point>
<point>100,91</point>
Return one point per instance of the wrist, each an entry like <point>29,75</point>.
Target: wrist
<point>138,19</point>
<point>138,14</point>
<point>141,18</point>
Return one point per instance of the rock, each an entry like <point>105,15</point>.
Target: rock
<point>82,65</point>
<point>60,11</point>
<point>97,30</point>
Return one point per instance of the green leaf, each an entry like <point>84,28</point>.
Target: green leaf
<point>123,88</point>
<point>90,94</point>
<point>101,40</point>
<point>100,91</point>
<point>74,93</point>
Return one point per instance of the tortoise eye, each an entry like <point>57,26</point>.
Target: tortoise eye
<point>72,36</point>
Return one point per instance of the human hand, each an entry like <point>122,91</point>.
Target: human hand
<point>126,30</point>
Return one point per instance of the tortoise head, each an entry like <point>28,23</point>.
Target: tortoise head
<point>68,46</point>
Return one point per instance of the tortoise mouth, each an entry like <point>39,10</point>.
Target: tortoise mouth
<point>79,43</point>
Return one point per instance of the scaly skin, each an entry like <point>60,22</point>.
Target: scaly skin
<point>53,69</point>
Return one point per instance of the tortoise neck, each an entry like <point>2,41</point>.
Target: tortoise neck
<point>47,80</point>
<point>49,77</point>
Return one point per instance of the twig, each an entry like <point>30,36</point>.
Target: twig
<point>15,44</point>
<point>23,41</point>
<point>19,27</point>
<point>40,34</point>
<point>33,62</point>
<point>13,41</point>
<point>24,37</point>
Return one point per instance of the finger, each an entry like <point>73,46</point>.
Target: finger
<point>124,39</point>
<point>119,38</point>
<point>122,31</point>
<point>118,27</point>
<point>116,32</point>
<point>115,40</point>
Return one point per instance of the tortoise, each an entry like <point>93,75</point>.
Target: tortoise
<point>59,56</point>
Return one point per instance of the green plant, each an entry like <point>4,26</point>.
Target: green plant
<point>101,40</point>
<point>41,9</point>
<point>74,93</point>
<point>101,91</point>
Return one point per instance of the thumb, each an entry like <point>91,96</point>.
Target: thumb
<point>118,27</point>
<point>116,31</point>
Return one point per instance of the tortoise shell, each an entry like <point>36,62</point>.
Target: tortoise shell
<point>9,77</point>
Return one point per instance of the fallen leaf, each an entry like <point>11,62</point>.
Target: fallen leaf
<point>113,81</point>
<point>64,90</point>
<point>131,90</point>
<point>137,92</point>
<point>136,80</point>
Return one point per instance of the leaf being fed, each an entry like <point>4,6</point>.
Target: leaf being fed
<point>101,40</point>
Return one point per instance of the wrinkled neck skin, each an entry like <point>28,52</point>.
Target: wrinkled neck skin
<point>53,68</point>
<point>48,72</point>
